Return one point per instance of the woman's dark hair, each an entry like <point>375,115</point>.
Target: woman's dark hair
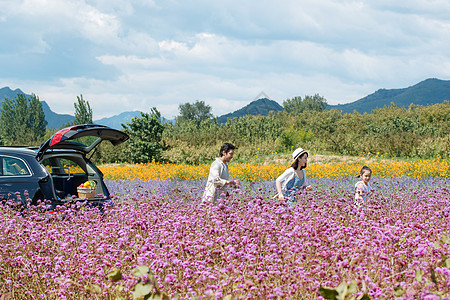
<point>226,147</point>
<point>295,163</point>
<point>363,169</point>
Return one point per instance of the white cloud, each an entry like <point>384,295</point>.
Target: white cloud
<point>128,55</point>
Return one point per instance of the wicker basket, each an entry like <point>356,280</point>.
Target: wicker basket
<point>85,192</point>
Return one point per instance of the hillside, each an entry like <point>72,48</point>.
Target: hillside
<point>115,121</point>
<point>6,92</point>
<point>258,107</point>
<point>55,120</point>
<point>427,92</point>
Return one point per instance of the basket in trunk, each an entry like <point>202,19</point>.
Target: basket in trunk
<point>85,192</point>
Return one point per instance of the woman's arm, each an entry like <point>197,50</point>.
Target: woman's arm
<point>280,192</point>
<point>280,179</point>
<point>306,186</point>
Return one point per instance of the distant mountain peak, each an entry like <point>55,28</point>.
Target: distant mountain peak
<point>261,95</point>
<point>261,106</point>
<point>117,120</point>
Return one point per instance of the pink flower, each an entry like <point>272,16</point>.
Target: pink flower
<point>169,278</point>
<point>422,250</point>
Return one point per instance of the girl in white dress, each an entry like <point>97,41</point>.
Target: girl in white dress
<point>362,187</point>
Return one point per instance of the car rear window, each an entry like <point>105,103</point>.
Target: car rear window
<point>60,165</point>
<point>12,166</point>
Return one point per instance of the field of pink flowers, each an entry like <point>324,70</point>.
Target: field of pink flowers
<point>158,240</point>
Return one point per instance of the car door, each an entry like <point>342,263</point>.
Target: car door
<point>83,138</point>
<point>16,177</point>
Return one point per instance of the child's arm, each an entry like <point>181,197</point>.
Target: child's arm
<point>359,191</point>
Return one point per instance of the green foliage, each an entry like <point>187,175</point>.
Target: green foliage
<point>429,147</point>
<point>344,291</point>
<point>147,289</point>
<point>83,111</point>
<point>249,129</point>
<point>145,137</point>
<point>291,137</point>
<point>183,152</point>
<point>194,144</point>
<point>298,105</point>
<point>189,131</point>
<point>106,153</point>
<point>22,121</point>
<point>419,274</point>
<point>196,112</point>
<point>114,275</point>
<point>417,131</point>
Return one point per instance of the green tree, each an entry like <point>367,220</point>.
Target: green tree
<point>145,137</point>
<point>293,105</point>
<point>83,111</point>
<point>22,121</point>
<point>197,112</point>
<point>298,105</point>
<point>292,137</point>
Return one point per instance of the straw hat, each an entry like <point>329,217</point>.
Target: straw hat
<point>299,151</point>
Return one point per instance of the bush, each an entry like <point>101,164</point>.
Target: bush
<point>106,153</point>
<point>145,143</point>
<point>185,153</point>
<point>292,137</point>
<point>417,131</point>
<point>433,147</point>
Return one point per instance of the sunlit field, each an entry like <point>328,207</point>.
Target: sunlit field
<point>248,246</point>
<point>252,172</point>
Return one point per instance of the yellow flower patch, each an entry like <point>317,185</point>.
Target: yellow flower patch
<point>252,172</point>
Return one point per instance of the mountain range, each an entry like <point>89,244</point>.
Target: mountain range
<point>427,92</point>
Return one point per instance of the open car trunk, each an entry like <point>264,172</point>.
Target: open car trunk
<point>82,138</point>
<point>68,171</point>
<point>64,157</point>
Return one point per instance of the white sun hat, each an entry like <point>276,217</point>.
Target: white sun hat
<point>297,152</point>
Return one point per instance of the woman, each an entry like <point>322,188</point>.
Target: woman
<point>294,178</point>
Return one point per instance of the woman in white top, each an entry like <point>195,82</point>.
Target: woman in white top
<point>362,187</point>
<point>294,178</point>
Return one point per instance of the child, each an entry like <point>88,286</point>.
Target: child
<point>362,187</point>
<point>293,178</point>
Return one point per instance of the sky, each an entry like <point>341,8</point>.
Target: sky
<point>126,55</point>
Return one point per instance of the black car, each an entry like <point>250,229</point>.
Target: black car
<point>55,169</point>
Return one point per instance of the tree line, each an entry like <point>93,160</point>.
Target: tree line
<point>195,136</point>
<point>22,120</point>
